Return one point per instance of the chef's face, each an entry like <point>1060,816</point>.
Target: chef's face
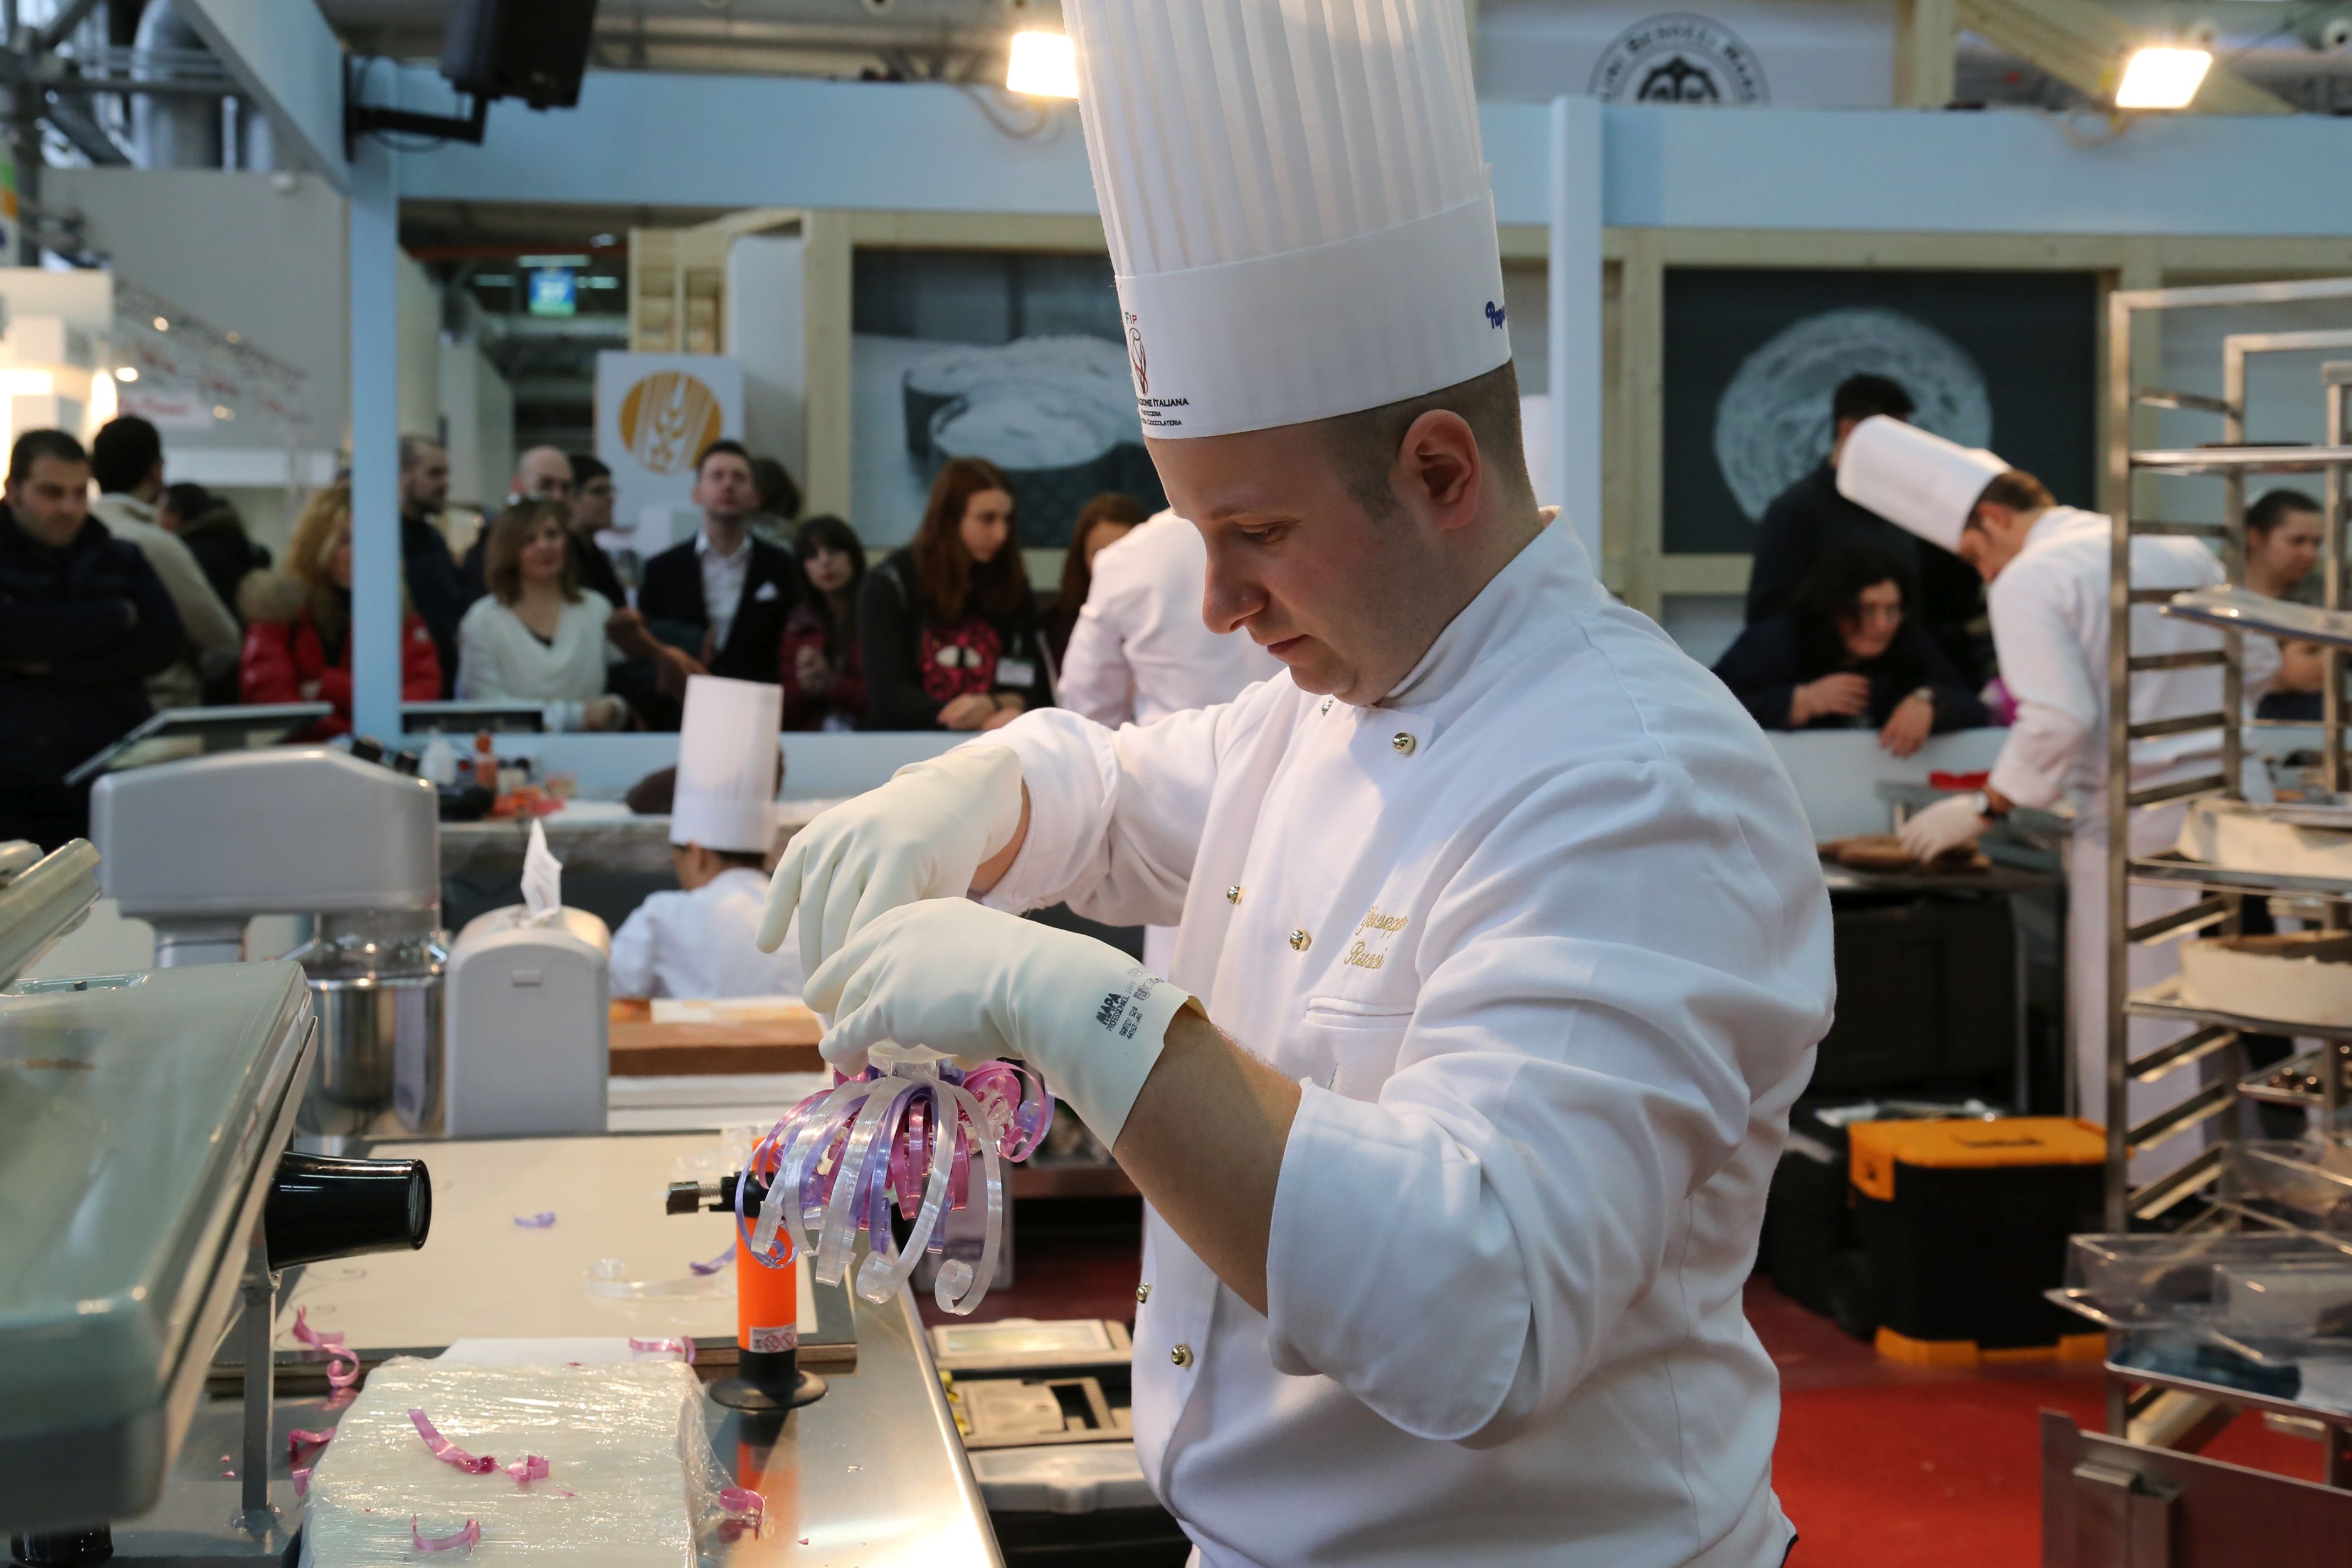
<point>1994,535</point>
<point>1347,600</point>
<point>2286,554</point>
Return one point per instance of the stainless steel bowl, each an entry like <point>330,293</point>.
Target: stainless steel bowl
<point>377,985</point>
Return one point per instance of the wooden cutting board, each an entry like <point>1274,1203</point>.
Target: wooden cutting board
<point>643,1048</point>
<point>1885,852</point>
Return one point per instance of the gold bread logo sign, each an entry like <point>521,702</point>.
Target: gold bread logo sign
<point>666,420</point>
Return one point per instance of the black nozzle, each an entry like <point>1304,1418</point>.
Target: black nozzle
<point>322,1207</point>
<point>367,748</point>
<point>406,762</point>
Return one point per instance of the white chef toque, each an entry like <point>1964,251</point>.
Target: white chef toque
<point>727,756</point>
<point>1914,478</point>
<point>1295,202</point>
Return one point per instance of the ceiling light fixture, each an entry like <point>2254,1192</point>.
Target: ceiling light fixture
<point>2162,77</point>
<point>1042,64</point>
<point>126,373</point>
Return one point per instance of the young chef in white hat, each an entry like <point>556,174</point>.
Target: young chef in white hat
<point>2048,568</point>
<point>702,941</point>
<point>1503,946</point>
<point>1141,650</point>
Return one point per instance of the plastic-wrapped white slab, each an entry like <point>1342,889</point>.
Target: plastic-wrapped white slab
<point>2302,977</point>
<point>619,1439</point>
<point>2238,839</point>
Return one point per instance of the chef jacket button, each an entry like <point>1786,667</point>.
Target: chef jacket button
<point>1326,705</point>
<point>1298,941</point>
<point>1233,894</point>
<point>1181,1355</point>
<point>1403,742</point>
<point>1143,1293</point>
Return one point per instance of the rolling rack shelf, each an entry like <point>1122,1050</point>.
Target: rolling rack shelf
<point>2144,1405</point>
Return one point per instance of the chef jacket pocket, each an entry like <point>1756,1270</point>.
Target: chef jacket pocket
<point>1350,1046</point>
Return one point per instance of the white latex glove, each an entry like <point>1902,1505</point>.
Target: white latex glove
<point>977,983</point>
<point>922,836</point>
<point>1945,825</point>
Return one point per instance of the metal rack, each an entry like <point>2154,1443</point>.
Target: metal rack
<point>2141,1404</point>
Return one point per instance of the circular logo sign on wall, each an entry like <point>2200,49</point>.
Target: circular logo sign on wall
<point>1772,424</point>
<point>1678,57</point>
<point>666,420</point>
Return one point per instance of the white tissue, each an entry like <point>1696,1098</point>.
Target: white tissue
<point>543,880</point>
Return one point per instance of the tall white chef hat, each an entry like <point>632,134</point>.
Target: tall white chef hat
<point>726,757</point>
<point>1914,478</point>
<point>1295,203</point>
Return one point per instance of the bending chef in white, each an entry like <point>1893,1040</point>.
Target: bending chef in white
<point>2047,567</point>
<point>1503,945</point>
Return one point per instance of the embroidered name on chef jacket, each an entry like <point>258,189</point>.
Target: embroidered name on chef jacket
<point>1370,949</point>
<point>1122,1011</point>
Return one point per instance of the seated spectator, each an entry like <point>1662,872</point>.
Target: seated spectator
<point>948,626</point>
<point>538,635</point>
<point>2295,696</point>
<point>590,515</point>
<point>427,563</point>
<point>542,473</point>
<point>298,639</point>
<point>825,686</point>
<point>1847,656</point>
<point>779,502</point>
<point>1108,517</point>
<point>127,461</point>
<point>215,534</point>
<point>84,622</point>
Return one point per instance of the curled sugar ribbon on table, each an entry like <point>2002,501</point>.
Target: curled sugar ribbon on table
<point>743,1503</point>
<point>529,1469</point>
<point>716,1264</point>
<point>299,1439</point>
<point>681,1348</point>
<point>900,1135</point>
<point>462,1539</point>
<point>448,1453</point>
<point>339,1374</point>
<point>545,1219</point>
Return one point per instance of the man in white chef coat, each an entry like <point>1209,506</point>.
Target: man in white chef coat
<point>2048,569</point>
<point>1141,650</point>
<point>1503,947</point>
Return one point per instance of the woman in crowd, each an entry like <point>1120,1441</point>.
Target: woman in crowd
<point>948,626</point>
<point>1109,516</point>
<point>298,638</point>
<point>1845,656</point>
<point>538,635</point>
<point>825,686</point>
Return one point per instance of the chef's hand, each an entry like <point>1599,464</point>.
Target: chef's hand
<point>969,711</point>
<point>1942,827</point>
<point>1842,695</point>
<point>922,836</point>
<point>1909,726</point>
<point>978,983</point>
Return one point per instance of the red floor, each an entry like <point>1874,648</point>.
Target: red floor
<point>1879,1465</point>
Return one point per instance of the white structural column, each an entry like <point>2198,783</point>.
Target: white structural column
<point>1575,315</point>
<point>375,444</point>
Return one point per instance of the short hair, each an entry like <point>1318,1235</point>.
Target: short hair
<point>123,453</point>
<point>190,499</point>
<point>777,493</point>
<point>411,450</point>
<point>2016,490</point>
<point>748,859</point>
<point>2271,510</point>
<point>585,467</point>
<point>720,447</point>
<point>502,553</point>
<point>1862,395</point>
<point>1362,447</point>
<point>35,445</point>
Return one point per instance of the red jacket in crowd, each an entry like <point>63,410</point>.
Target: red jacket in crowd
<point>286,661</point>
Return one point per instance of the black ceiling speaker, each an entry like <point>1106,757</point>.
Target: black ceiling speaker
<point>532,49</point>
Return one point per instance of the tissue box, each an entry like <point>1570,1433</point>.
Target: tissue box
<point>619,1440</point>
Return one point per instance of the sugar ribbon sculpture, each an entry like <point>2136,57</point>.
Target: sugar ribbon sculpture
<point>902,1135</point>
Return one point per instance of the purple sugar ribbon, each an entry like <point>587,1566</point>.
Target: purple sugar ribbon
<point>462,1539</point>
<point>545,1219</point>
<point>681,1348</point>
<point>339,1375</point>
<point>716,1264</point>
<point>448,1453</point>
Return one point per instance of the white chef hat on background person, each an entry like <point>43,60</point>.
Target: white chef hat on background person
<point>1295,203</point>
<point>728,752</point>
<point>1914,478</point>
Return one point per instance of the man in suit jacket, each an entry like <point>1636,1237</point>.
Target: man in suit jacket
<point>722,595</point>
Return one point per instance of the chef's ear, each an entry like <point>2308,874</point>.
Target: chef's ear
<point>1439,469</point>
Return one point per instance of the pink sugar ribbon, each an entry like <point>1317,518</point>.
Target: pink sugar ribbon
<point>466,1539</point>
<point>682,1349</point>
<point>338,1374</point>
<point>297,1439</point>
<point>744,1503</point>
<point>529,1469</point>
<point>303,1480</point>
<point>542,1220</point>
<point>448,1453</point>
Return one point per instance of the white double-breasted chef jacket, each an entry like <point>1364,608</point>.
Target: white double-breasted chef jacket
<point>705,943</point>
<point>1545,938</point>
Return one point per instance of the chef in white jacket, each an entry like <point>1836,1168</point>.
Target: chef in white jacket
<point>1503,945</point>
<point>1142,650</point>
<point>2048,568</point>
<point>703,939</point>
